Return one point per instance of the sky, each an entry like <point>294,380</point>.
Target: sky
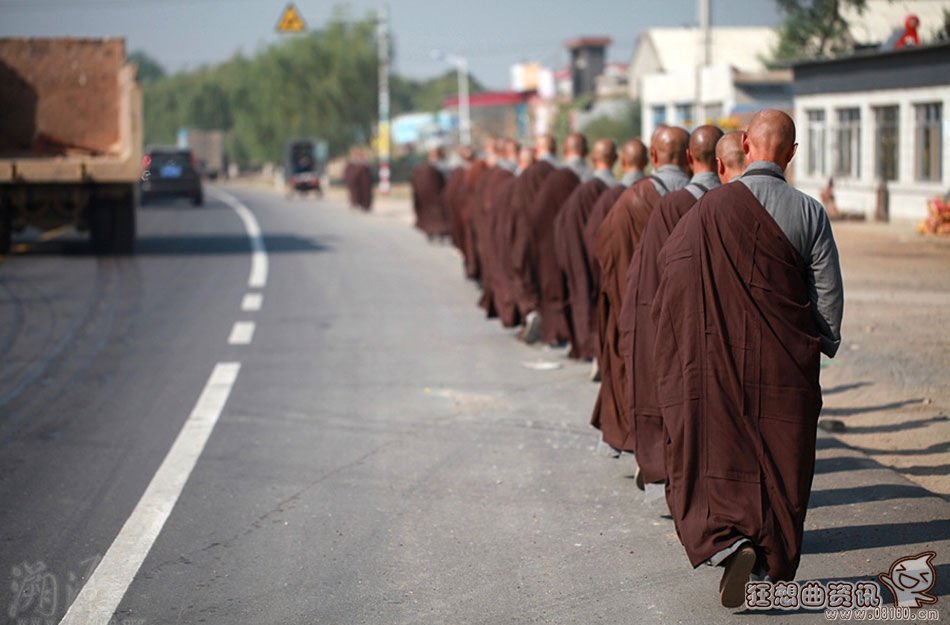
<point>491,34</point>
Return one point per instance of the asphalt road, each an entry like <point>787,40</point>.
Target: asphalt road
<point>376,451</point>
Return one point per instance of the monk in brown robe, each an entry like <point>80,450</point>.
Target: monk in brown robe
<point>615,242</point>
<point>503,161</point>
<point>427,184</point>
<point>544,285</point>
<point>750,293</point>
<point>453,194</point>
<point>359,181</point>
<point>503,289</point>
<point>526,187</point>
<point>633,160</point>
<point>468,206</point>
<point>572,255</point>
<point>637,333</point>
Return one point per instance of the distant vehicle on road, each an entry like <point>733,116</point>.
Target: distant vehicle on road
<point>208,148</point>
<point>170,172</point>
<point>305,160</point>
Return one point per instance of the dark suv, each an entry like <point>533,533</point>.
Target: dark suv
<point>170,172</point>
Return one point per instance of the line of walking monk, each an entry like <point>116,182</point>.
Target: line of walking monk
<point>703,292</point>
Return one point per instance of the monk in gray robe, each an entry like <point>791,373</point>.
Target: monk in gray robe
<point>543,284</point>
<point>750,294</point>
<point>572,254</point>
<point>637,333</point>
<point>616,240</point>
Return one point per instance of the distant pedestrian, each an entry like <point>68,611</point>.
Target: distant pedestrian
<point>427,182</point>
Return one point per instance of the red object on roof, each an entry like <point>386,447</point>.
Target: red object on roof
<point>910,33</point>
<point>491,98</point>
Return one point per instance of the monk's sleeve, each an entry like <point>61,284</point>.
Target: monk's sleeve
<point>826,289</point>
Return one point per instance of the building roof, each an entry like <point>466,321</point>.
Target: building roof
<point>679,48</point>
<point>585,42</point>
<point>491,98</point>
<point>920,66</point>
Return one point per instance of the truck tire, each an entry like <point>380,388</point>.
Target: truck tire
<point>6,232</point>
<point>123,241</point>
<point>112,225</point>
<point>101,227</point>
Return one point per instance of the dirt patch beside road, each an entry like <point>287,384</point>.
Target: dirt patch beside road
<point>889,385</point>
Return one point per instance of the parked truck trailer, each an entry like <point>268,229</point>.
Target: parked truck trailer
<point>70,139</point>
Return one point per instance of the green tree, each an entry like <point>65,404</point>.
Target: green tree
<point>148,69</point>
<point>620,129</point>
<point>814,29</point>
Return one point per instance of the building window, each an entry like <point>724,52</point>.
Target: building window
<point>713,113</point>
<point>927,148</point>
<point>659,115</point>
<point>886,127</point>
<point>816,142</point>
<point>684,114</point>
<point>848,143</point>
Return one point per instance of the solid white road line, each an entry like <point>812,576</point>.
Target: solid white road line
<point>252,302</point>
<point>242,333</point>
<point>100,597</point>
<point>258,277</point>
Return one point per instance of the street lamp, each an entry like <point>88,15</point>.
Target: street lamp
<point>461,66</point>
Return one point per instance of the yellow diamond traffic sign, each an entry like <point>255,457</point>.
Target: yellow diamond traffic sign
<point>291,21</point>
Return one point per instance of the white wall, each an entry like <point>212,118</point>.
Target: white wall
<point>678,87</point>
<point>908,197</point>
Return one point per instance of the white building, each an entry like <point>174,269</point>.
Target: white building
<point>872,118</point>
<point>673,69</point>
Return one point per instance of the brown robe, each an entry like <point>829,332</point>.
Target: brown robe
<point>544,287</point>
<point>360,184</point>
<point>502,288</point>
<point>519,265</point>
<point>638,334</point>
<point>737,365</point>
<point>616,240</point>
<point>483,224</point>
<point>467,207</point>
<point>603,205</point>
<point>427,184</point>
<point>575,265</point>
<point>451,199</point>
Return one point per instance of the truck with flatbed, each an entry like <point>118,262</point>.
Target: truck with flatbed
<point>70,139</point>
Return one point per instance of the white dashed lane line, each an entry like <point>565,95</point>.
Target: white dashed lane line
<point>99,598</point>
<point>252,302</point>
<point>242,333</point>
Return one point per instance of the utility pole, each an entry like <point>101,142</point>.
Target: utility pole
<point>382,31</point>
<point>703,58</point>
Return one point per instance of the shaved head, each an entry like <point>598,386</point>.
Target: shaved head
<point>436,154</point>
<point>575,145</point>
<point>770,137</point>
<point>634,156</point>
<point>604,154</point>
<point>668,147</point>
<point>525,156</point>
<point>702,148</point>
<point>729,156</point>
<point>546,145</point>
<point>512,148</point>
